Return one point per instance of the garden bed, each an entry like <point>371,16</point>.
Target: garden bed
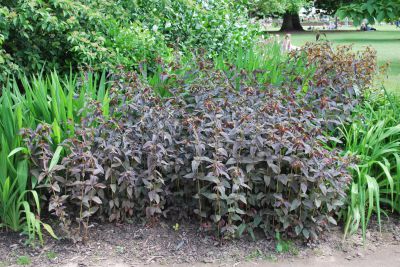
<point>234,145</point>
<point>164,244</point>
<point>128,138</point>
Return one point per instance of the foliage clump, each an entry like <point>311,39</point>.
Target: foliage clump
<point>340,79</point>
<point>238,159</point>
<point>102,34</point>
<point>224,142</point>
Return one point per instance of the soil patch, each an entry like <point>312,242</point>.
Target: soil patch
<point>162,245</point>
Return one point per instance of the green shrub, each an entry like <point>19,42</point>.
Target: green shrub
<point>60,34</point>
<point>216,25</point>
<point>57,34</point>
<point>134,43</point>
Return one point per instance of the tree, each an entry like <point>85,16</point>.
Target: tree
<point>357,10</point>
<point>373,10</point>
<point>288,9</point>
<point>291,19</point>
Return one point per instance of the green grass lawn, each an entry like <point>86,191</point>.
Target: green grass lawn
<point>386,41</point>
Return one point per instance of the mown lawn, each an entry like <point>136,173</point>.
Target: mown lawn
<point>386,40</point>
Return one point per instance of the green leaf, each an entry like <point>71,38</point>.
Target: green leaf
<point>251,232</point>
<point>49,229</point>
<point>306,233</point>
<point>295,204</point>
<point>370,8</point>
<point>332,220</point>
<point>18,149</point>
<point>380,16</point>
<point>22,175</point>
<point>56,132</point>
<point>241,229</point>
<point>211,196</point>
<point>56,158</point>
<point>279,247</point>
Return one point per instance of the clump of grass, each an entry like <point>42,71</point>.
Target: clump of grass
<point>267,62</point>
<point>120,249</point>
<point>373,139</point>
<point>51,99</point>
<point>257,254</point>
<point>285,246</point>
<point>51,255</point>
<point>24,260</point>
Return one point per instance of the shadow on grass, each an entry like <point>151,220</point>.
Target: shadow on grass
<point>366,40</point>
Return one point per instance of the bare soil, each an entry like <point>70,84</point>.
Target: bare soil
<point>139,245</point>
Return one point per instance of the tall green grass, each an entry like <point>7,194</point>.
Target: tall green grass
<point>57,101</point>
<point>267,62</point>
<point>15,210</point>
<point>373,138</point>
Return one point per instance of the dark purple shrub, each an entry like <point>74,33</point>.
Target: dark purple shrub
<point>238,160</point>
<point>340,78</point>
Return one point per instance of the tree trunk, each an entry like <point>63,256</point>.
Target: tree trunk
<point>291,22</point>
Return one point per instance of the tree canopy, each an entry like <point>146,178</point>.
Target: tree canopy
<point>275,7</point>
<point>373,10</point>
<point>331,6</point>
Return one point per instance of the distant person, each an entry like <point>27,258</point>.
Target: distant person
<point>287,44</point>
<point>397,23</point>
<point>364,27</point>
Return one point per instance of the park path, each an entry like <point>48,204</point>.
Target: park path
<point>388,256</point>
